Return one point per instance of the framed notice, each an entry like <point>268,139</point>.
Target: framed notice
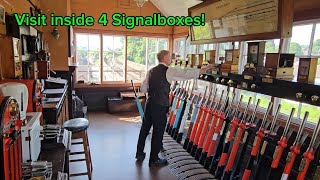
<point>2,15</point>
<point>242,20</point>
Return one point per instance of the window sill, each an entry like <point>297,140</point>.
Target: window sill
<point>105,85</point>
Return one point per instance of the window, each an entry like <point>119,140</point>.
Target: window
<point>313,112</point>
<point>300,40</point>
<point>305,41</point>
<point>272,46</point>
<point>264,100</point>
<point>223,47</point>
<point>246,97</point>
<point>179,47</point>
<point>190,49</point>
<point>88,57</point>
<point>204,47</point>
<point>142,55</point>
<point>113,58</point>
<point>316,42</point>
<point>183,47</point>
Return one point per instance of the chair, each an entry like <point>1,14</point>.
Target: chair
<point>78,127</point>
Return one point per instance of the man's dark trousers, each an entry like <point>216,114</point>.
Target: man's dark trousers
<point>155,115</point>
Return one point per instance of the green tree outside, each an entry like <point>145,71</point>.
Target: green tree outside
<point>295,48</point>
<point>316,47</point>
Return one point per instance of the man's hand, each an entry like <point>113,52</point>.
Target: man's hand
<point>204,69</point>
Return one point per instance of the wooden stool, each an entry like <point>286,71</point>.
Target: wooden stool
<point>78,127</point>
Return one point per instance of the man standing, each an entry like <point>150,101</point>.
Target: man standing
<point>157,85</point>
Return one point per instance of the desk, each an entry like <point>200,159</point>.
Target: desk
<point>55,106</point>
<point>58,154</point>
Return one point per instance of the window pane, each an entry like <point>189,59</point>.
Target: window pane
<point>136,65</point>
<point>204,47</point>
<point>316,42</point>
<point>153,49</point>
<point>201,87</point>
<point>154,46</point>
<point>190,49</point>
<point>83,73</point>
<point>94,74</point>
<point>163,44</point>
<point>94,42</point>
<point>88,58</point>
<point>113,58</point>
<point>272,46</point>
<point>223,47</point>
<point>94,58</point>
<point>108,43</point>
<point>300,41</point>
<point>313,112</point>
<point>82,42</point>
<point>82,57</point>
<point>246,96</point>
<point>287,105</point>
<point>179,47</point>
<point>264,100</point>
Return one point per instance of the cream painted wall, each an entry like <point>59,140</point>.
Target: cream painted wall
<point>97,7</point>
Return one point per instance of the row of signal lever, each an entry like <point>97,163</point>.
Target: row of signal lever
<point>235,144</point>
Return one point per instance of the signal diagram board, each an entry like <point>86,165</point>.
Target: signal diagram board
<point>228,20</point>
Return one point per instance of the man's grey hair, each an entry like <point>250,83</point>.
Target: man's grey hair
<point>161,54</point>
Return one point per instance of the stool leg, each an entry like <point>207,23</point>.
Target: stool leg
<point>89,150</point>
<point>86,150</point>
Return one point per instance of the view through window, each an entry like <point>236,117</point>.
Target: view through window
<point>141,57</point>
<point>113,58</point>
<point>88,57</point>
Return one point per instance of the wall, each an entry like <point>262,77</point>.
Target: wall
<point>97,7</point>
<point>180,31</point>
<point>305,10</point>
<point>58,47</point>
<point>96,97</point>
<point>17,6</point>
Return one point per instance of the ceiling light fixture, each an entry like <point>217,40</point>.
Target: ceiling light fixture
<point>140,3</point>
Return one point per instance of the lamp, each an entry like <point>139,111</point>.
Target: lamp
<point>55,33</point>
<point>140,3</point>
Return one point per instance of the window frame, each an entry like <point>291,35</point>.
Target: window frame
<point>115,34</point>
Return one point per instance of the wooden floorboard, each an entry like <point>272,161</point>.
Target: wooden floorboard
<point>113,141</point>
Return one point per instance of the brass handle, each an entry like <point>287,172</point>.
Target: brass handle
<point>299,95</point>
<point>230,82</point>
<point>314,98</point>
<point>253,86</point>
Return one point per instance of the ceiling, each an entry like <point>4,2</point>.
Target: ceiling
<point>175,7</point>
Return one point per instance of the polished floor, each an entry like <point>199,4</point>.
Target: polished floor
<point>113,141</point>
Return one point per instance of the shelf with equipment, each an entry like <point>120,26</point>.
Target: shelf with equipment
<point>296,91</point>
